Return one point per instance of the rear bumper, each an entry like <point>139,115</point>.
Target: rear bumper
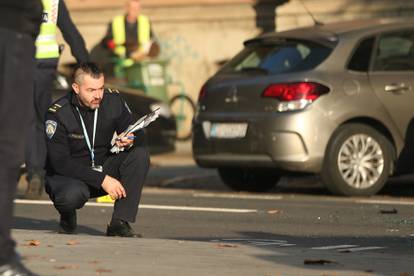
<point>288,141</point>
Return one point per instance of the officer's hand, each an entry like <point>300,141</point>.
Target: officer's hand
<point>125,141</point>
<point>113,187</point>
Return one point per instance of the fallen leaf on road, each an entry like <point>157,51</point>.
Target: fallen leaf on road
<point>102,270</point>
<point>318,262</point>
<point>94,262</point>
<point>33,243</point>
<point>389,211</point>
<point>64,267</point>
<point>72,242</point>
<point>405,274</point>
<point>226,245</point>
<point>274,212</point>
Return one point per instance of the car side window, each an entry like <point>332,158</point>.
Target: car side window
<point>395,52</point>
<point>361,58</point>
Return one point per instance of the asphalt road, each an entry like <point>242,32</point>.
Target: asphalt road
<point>183,202</point>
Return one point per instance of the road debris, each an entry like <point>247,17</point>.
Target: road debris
<point>318,262</point>
<point>103,270</point>
<point>33,243</point>
<point>226,245</point>
<point>389,211</point>
<point>65,267</point>
<point>274,212</point>
<point>72,242</point>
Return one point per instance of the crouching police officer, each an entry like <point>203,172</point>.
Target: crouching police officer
<point>79,129</point>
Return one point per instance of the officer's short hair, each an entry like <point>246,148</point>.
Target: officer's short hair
<point>86,68</point>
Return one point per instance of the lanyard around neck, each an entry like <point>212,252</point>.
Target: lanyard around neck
<point>85,133</point>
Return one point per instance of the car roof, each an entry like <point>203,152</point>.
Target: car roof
<point>328,34</point>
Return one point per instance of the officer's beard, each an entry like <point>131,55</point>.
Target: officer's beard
<point>94,104</point>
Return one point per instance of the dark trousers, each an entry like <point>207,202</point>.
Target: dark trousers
<point>16,102</point>
<point>130,168</point>
<point>45,74</point>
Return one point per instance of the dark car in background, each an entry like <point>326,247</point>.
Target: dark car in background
<point>335,100</point>
<point>161,134</point>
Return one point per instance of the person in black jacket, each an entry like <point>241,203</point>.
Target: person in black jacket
<point>79,129</point>
<point>19,26</point>
<point>47,56</point>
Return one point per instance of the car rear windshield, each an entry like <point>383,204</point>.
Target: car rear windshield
<point>284,56</point>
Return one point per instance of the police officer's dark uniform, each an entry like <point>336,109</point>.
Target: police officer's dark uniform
<point>19,26</point>
<point>47,57</point>
<point>70,180</point>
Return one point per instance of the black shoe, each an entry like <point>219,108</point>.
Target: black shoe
<point>15,268</point>
<point>120,228</point>
<point>67,223</point>
<point>34,187</point>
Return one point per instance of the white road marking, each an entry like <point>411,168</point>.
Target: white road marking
<point>282,243</point>
<point>287,197</point>
<point>147,206</point>
<point>258,242</point>
<point>361,249</point>
<point>237,196</point>
<point>334,247</point>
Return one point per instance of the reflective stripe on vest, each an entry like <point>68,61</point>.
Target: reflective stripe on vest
<point>46,43</point>
<point>118,32</point>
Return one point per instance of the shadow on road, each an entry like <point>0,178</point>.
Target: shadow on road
<point>49,225</point>
<point>195,178</point>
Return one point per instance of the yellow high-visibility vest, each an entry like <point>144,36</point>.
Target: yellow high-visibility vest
<point>46,43</point>
<point>118,33</point>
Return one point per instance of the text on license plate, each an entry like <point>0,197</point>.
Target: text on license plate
<point>228,130</point>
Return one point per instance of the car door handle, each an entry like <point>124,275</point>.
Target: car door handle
<point>397,87</point>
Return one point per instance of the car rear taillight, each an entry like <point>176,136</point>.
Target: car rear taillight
<point>203,93</point>
<point>295,91</point>
<point>296,95</point>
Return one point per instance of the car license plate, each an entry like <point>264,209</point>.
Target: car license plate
<point>228,130</point>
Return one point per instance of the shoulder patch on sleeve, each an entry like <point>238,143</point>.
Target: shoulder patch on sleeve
<point>50,128</point>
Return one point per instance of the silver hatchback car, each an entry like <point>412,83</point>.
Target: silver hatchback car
<point>335,100</point>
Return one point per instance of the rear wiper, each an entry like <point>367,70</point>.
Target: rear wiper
<point>255,69</point>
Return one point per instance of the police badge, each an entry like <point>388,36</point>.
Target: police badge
<point>50,128</point>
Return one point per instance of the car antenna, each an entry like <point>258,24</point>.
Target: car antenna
<point>316,22</point>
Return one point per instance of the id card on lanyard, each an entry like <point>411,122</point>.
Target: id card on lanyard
<point>87,140</point>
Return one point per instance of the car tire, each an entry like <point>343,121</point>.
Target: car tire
<point>251,180</point>
<point>358,161</point>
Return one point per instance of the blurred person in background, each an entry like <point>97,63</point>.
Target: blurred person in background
<point>55,15</point>
<point>19,26</point>
<point>130,35</point>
